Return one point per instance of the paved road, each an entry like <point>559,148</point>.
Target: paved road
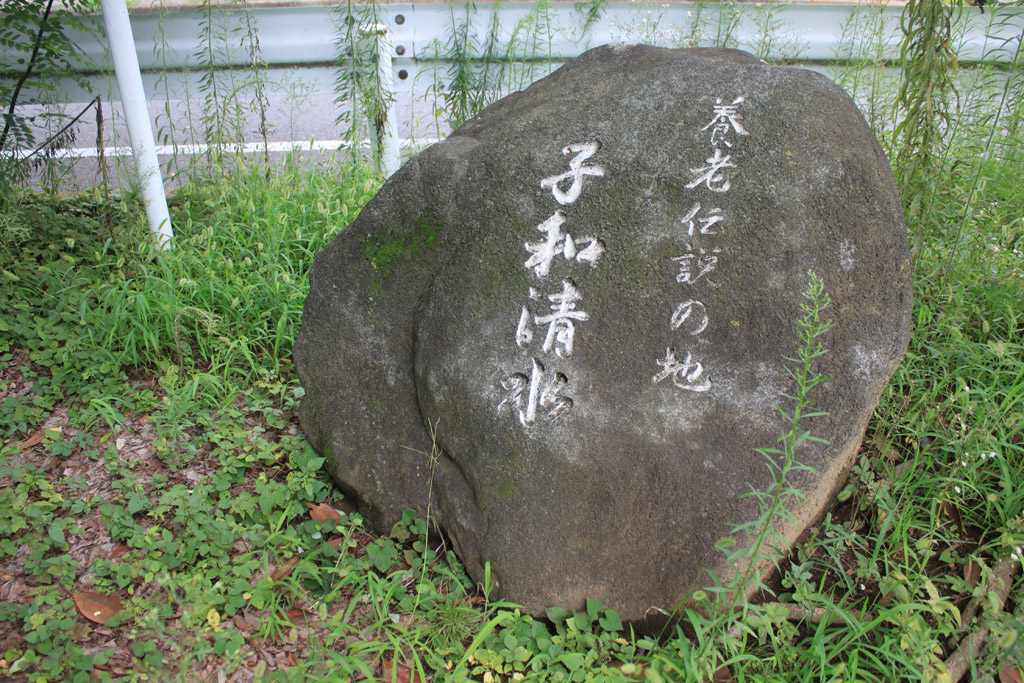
<point>300,115</point>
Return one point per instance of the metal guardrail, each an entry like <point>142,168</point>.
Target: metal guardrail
<point>306,36</point>
<point>298,45</point>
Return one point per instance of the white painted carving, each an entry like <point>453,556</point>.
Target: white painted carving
<point>727,117</point>
<point>710,176</point>
<point>529,416</point>
<point>590,253</point>
<point>685,310</point>
<point>554,402</point>
<point>556,242</point>
<point>568,248</point>
<point>525,395</point>
<point>576,172</point>
<point>685,374</point>
<point>698,262</point>
<point>514,384</point>
<point>695,265</point>
<point>524,333</point>
<point>544,252</point>
<point>713,216</point>
<point>560,322</point>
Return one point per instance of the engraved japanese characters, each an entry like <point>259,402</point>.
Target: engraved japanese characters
<point>525,392</point>
<point>689,374</point>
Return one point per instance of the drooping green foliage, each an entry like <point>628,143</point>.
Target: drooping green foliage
<point>926,97</point>
<point>365,100</point>
<point>36,51</point>
<point>481,68</point>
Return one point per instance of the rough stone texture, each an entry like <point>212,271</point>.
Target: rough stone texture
<point>409,338</point>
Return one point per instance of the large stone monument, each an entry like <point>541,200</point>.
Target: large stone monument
<point>566,323</point>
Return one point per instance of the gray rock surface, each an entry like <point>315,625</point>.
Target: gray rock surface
<point>566,323</point>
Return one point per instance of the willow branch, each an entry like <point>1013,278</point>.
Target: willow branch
<point>24,76</point>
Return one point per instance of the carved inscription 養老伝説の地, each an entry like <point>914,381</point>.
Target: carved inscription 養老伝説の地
<point>548,320</point>
<point>695,266</point>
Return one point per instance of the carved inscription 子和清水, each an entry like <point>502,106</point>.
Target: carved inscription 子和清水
<point>540,394</point>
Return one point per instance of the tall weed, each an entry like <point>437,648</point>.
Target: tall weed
<point>926,98</point>
<point>365,100</point>
<point>860,65</point>
<point>36,52</point>
<point>228,299</point>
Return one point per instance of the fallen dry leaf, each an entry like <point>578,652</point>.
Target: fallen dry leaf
<point>723,675</point>
<point>11,590</point>
<point>31,441</point>
<point>953,514</point>
<point>284,570</point>
<point>245,621</point>
<point>296,615</point>
<point>96,606</point>
<point>322,512</point>
<point>972,573</point>
<point>398,672</point>
<point>118,550</point>
<point>1009,674</point>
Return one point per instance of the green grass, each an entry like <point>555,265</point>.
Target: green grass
<point>148,406</point>
<point>243,240</point>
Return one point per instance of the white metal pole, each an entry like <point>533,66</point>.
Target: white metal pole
<point>387,78</point>
<point>389,153</point>
<point>136,113</point>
